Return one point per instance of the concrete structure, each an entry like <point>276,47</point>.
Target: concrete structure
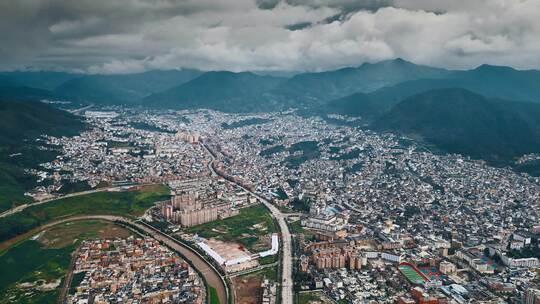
<point>192,138</point>
<point>446,267</point>
<point>188,210</point>
<point>275,247</point>
<point>531,296</point>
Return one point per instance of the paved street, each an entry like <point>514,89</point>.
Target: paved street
<point>286,279</point>
<point>22,207</point>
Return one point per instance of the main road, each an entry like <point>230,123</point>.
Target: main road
<point>104,189</point>
<point>287,265</point>
<point>210,274</point>
<point>24,206</point>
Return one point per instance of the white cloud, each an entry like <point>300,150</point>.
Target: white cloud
<point>135,35</point>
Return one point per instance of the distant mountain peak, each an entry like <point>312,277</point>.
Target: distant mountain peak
<point>494,68</point>
<point>396,61</point>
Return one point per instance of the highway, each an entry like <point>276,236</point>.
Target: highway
<point>287,263</point>
<point>211,275</point>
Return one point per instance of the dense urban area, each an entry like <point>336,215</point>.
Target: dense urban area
<point>298,209</point>
<point>270,152</point>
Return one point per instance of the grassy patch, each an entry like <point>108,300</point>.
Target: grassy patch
<point>129,203</point>
<point>65,234</point>
<point>308,297</point>
<point>269,259</point>
<point>309,150</point>
<point>76,281</point>
<point>32,261</point>
<point>244,123</point>
<point>245,228</point>
<point>214,298</point>
<point>270,273</point>
<point>296,227</point>
<point>72,187</point>
<point>13,184</point>
<point>300,205</point>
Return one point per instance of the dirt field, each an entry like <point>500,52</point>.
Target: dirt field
<point>228,250</point>
<point>65,234</point>
<point>247,290</point>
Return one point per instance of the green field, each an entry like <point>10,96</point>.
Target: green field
<point>129,203</point>
<point>269,259</point>
<point>214,298</point>
<point>13,184</point>
<point>309,297</point>
<point>76,281</point>
<point>296,227</point>
<point>45,260</point>
<point>30,262</point>
<point>245,228</point>
<point>412,275</point>
<point>270,273</point>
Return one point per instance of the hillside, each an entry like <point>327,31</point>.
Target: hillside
<point>495,82</point>
<point>356,105</point>
<point>459,121</point>
<point>325,86</point>
<point>490,81</point>
<point>25,94</point>
<point>40,79</point>
<point>21,123</point>
<point>224,91</point>
<point>122,89</point>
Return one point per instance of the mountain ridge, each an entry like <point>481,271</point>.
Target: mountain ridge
<point>457,120</point>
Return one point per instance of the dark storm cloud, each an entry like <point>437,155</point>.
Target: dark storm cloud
<point>120,36</point>
<point>267,4</point>
<point>346,6</point>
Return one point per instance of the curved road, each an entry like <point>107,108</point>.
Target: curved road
<point>286,279</point>
<point>212,277</point>
<point>22,207</point>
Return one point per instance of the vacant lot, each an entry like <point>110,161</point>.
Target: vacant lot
<point>129,203</point>
<point>315,297</point>
<point>247,288</point>
<point>249,228</point>
<point>66,234</point>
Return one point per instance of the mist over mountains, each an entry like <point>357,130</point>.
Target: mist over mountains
<point>488,112</point>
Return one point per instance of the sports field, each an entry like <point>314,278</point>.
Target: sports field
<point>412,275</point>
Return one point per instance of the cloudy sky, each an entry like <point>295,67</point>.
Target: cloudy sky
<point>124,36</point>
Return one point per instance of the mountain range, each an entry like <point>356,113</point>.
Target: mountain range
<point>225,91</point>
<point>122,89</point>
<point>384,83</point>
<point>393,95</point>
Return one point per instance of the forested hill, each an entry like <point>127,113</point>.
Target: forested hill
<point>459,121</point>
<point>22,122</point>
